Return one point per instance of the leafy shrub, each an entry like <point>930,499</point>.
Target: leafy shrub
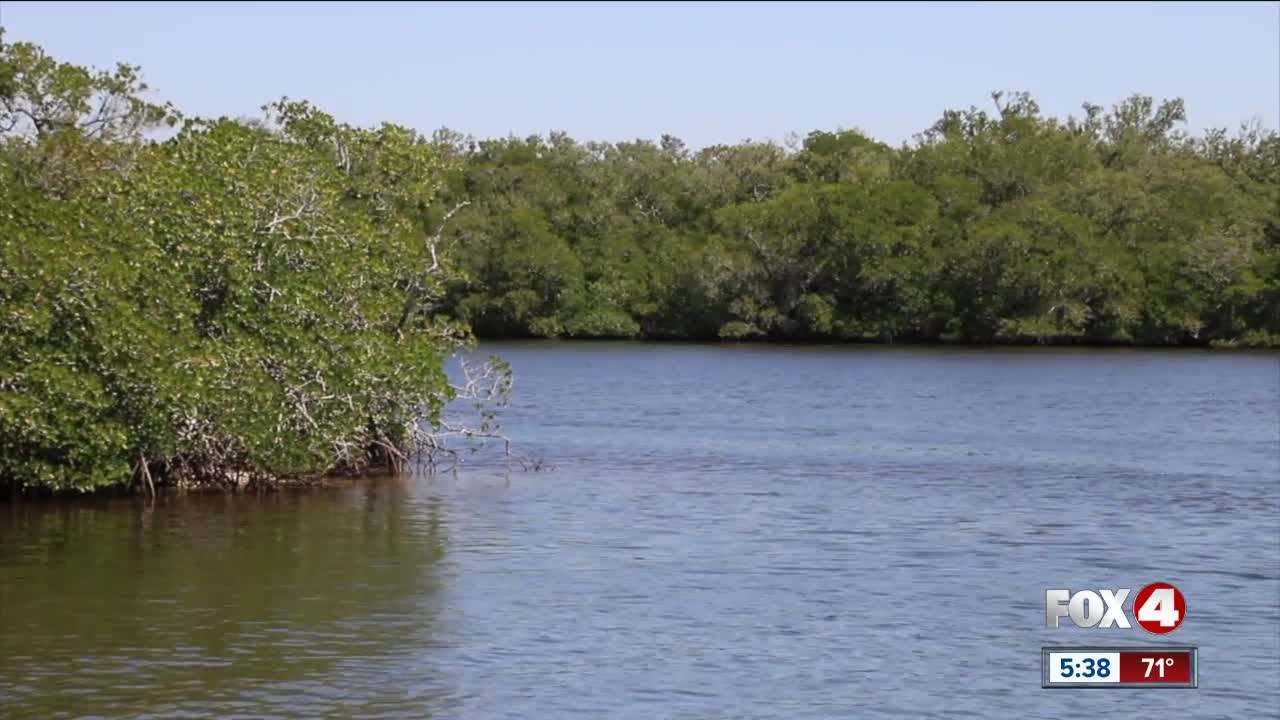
<point>239,301</point>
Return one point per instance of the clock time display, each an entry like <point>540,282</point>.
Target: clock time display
<point>1084,667</point>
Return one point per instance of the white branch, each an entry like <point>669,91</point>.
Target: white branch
<point>433,241</point>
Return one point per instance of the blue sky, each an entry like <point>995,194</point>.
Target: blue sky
<point>706,72</point>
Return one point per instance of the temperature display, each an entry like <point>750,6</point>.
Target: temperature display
<point>1120,667</point>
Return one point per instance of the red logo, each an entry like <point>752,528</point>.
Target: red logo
<point>1160,608</point>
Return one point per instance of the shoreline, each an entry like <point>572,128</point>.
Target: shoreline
<point>14,494</point>
<point>859,343</point>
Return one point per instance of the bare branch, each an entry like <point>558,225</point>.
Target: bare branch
<point>433,241</point>
<point>486,387</point>
<point>418,293</point>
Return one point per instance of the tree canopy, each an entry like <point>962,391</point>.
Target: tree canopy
<point>991,226</point>
<point>239,301</point>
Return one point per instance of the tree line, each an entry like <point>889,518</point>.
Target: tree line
<point>1115,227</point>
<point>229,302</point>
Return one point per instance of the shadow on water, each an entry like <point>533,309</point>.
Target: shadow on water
<point>215,605</point>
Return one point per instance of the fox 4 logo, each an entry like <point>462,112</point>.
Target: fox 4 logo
<point>1158,608</point>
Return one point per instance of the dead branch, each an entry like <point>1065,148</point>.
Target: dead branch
<point>418,291</point>
<point>433,241</point>
<point>486,387</point>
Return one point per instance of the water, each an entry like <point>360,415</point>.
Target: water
<point>737,532</point>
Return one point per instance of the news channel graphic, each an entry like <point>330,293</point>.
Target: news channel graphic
<point>1158,608</point>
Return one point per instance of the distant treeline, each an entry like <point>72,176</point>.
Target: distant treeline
<point>991,226</point>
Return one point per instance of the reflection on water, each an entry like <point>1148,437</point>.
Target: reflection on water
<point>736,532</point>
<point>206,605</point>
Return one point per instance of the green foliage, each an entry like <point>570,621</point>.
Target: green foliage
<point>739,330</point>
<point>236,302</point>
<point>1001,226</point>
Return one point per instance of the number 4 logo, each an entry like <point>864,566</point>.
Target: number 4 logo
<point>1160,608</point>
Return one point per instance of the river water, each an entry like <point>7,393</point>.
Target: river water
<point>716,532</point>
